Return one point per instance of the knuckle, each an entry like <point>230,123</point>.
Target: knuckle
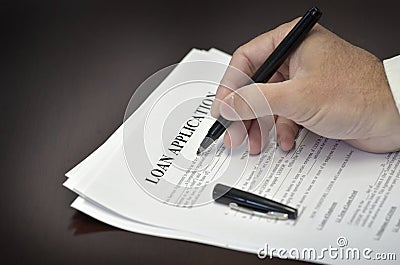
<point>240,51</point>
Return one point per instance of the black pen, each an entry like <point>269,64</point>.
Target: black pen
<point>252,204</point>
<point>269,67</point>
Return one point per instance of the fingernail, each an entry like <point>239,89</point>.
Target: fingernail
<point>286,144</point>
<point>227,108</point>
<point>231,100</point>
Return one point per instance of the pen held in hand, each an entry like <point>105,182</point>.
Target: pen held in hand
<point>269,67</point>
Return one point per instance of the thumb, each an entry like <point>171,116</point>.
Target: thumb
<point>258,100</point>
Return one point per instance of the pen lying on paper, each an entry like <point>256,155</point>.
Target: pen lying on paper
<point>269,67</point>
<point>253,204</point>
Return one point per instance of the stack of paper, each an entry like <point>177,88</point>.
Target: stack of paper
<point>348,200</point>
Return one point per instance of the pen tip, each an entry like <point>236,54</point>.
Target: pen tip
<point>198,152</point>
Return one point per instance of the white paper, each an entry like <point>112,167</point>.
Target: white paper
<point>338,190</point>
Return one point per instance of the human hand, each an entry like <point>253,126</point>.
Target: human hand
<point>327,85</point>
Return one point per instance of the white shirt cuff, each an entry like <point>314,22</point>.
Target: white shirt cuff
<point>392,69</point>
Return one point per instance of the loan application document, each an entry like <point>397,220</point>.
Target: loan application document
<point>347,199</point>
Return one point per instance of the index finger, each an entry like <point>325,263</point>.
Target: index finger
<point>246,60</point>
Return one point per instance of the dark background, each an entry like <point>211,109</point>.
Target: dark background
<point>68,70</point>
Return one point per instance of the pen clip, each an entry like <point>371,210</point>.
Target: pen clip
<point>269,215</point>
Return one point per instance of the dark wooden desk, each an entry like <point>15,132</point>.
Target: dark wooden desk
<point>68,71</point>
